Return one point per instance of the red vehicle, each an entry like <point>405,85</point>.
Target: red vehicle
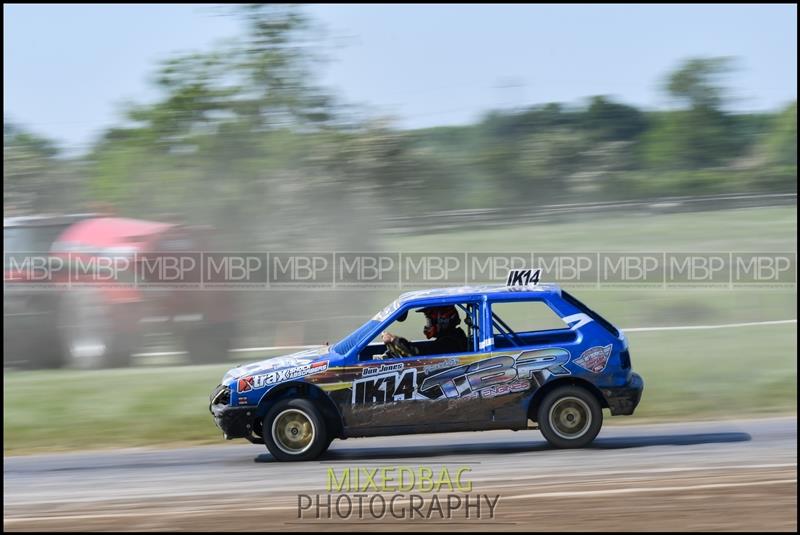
<point>102,322</point>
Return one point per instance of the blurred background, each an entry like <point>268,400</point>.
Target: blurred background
<point>384,128</point>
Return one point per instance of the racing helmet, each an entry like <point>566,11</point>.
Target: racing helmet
<point>439,320</point>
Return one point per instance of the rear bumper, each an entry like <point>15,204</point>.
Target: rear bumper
<point>624,400</point>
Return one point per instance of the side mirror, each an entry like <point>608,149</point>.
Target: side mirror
<point>402,317</point>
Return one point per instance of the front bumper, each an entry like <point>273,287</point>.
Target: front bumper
<point>234,422</point>
<point>623,400</point>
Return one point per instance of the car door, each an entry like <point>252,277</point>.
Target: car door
<point>413,394</point>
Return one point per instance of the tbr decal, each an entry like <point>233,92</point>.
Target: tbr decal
<point>594,359</point>
<point>254,382</point>
<point>473,378</point>
<point>520,385</point>
<point>463,380</point>
<point>385,388</point>
<point>540,364</point>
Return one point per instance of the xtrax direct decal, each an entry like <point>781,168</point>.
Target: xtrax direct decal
<point>594,359</point>
<point>254,382</point>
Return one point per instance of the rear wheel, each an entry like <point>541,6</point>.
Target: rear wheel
<point>570,417</point>
<point>294,430</point>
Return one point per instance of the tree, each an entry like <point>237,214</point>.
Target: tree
<point>34,178</point>
<point>208,130</point>
<point>781,143</point>
<point>276,63</point>
<point>700,134</point>
<point>607,120</point>
<point>698,82</point>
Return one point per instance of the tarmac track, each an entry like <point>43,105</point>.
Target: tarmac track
<point>728,475</point>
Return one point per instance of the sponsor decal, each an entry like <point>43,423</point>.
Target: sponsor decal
<point>269,364</point>
<point>448,363</point>
<point>519,385</point>
<point>383,368</point>
<point>254,382</point>
<point>540,364</point>
<point>579,320</point>
<point>464,380</point>
<point>282,362</point>
<point>244,384</point>
<point>594,359</point>
<point>487,378</point>
<point>469,379</point>
<point>385,388</point>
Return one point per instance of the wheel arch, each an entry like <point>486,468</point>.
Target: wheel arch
<point>539,395</point>
<point>294,389</point>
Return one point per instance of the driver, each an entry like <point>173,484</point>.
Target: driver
<point>442,325</point>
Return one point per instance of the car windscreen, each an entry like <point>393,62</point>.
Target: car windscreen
<point>29,240</point>
<point>34,239</point>
<point>349,342</point>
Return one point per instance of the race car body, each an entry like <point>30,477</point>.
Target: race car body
<point>558,379</point>
<point>30,316</point>
<point>62,307</point>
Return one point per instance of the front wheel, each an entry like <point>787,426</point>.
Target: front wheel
<point>570,417</point>
<point>294,430</point>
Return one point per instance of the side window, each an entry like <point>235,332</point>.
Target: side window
<point>431,331</point>
<point>520,323</point>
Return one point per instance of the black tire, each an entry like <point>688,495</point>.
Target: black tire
<point>570,417</point>
<point>42,353</point>
<point>295,417</point>
<point>31,339</point>
<point>209,344</point>
<point>90,336</point>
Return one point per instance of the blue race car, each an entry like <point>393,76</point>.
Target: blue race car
<point>555,372</point>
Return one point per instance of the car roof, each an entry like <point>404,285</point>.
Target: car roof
<point>43,220</point>
<point>478,292</point>
<point>111,231</point>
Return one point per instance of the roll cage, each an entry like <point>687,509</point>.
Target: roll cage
<point>477,312</point>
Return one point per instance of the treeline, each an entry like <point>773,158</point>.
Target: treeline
<point>242,138</point>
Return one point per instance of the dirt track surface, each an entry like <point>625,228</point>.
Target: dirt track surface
<point>731,475</point>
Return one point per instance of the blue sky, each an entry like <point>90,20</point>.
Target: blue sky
<point>68,69</point>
